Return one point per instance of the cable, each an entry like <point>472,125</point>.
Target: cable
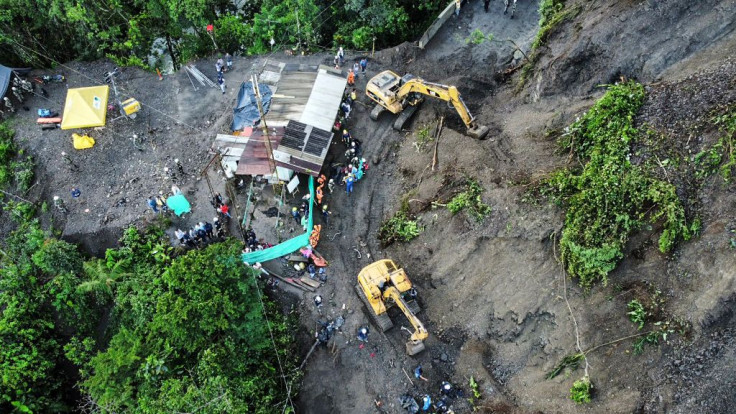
<point>273,342</point>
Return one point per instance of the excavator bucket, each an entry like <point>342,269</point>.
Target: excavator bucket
<point>478,131</point>
<point>413,348</point>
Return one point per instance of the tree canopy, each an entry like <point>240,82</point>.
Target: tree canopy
<point>147,329</point>
<point>40,32</point>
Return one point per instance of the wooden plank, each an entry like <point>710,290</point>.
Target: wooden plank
<point>310,282</point>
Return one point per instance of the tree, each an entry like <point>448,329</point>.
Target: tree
<point>204,344</point>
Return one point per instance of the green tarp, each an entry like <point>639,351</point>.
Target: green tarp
<point>179,204</point>
<point>288,246</point>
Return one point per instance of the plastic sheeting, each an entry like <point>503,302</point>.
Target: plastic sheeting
<point>5,74</point>
<point>246,112</point>
<point>288,246</point>
<point>179,204</point>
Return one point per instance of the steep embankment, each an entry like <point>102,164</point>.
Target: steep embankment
<point>493,292</point>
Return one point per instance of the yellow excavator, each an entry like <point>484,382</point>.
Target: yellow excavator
<point>382,285</point>
<point>403,94</point>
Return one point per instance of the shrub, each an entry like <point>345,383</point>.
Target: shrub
<point>581,390</point>
<point>608,197</point>
<point>470,200</point>
<point>399,228</point>
<point>637,314</point>
<point>7,153</point>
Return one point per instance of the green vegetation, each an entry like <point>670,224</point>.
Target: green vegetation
<point>477,37</point>
<point>424,137</point>
<point>569,363</point>
<point>470,200</point>
<point>12,171</point>
<point>475,389</point>
<point>551,14</point>
<point>608,197</point>
<point>140,331</point>
<point>720,157</point>
<point>581,390</point>
<point>400,227</point>
<point>7,154</point>
<point>637,314</point>
<point>125,30</point>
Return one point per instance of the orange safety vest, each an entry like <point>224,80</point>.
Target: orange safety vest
<point>314,237</point>
<point>351,77</point>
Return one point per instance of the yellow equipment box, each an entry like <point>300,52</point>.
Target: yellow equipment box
<point>131,106</point>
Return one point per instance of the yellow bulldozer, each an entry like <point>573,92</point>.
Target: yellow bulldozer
<point>403,95</point>
<point>382,285</point>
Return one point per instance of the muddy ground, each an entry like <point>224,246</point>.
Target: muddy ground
<point>492,292</point>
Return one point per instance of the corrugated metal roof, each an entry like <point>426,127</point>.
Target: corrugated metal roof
<point>324,101</point>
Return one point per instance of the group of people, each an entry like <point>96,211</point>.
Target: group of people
<point>157,203</point>
<point>447,393</point>
<point>19,87</point>
<point>221,207</point>
<point>222,66</point>
<point>252,243</point>
<point>201,234</point>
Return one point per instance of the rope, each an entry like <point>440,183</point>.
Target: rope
<point>569,308</point>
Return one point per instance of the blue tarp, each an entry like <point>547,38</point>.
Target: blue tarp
<point>5,75</point>
<point>246,112</point>
<point>288,246</point>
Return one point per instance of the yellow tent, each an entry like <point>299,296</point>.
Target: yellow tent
<point>85,107</point>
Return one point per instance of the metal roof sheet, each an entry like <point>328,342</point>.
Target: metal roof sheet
<point>324,101</point>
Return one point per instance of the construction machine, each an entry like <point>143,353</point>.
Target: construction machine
<point>382,285</point>
<point>403,95</point>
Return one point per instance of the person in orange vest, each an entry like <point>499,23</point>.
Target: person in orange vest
<point>351,78</point>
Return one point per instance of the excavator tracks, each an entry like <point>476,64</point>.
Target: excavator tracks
<point>382,321</point>
<point>405,116</point>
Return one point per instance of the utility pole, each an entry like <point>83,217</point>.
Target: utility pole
<point>264,127</point>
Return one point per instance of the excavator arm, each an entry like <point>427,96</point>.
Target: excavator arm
<point>415,344</point>
<point>448,94</point>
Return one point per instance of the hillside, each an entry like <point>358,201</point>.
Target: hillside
<point>499,296</point>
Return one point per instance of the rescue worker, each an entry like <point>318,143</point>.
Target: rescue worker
<point>152,204</point>
<point>349,184</point>
<point>363,334</point>
<point>59,204</point>
<point>326,214</point>
<point>346,137</point>
<point>26,86</point>
<point>318,195</point>
<point>356,67</point>
<point>351,78</point>
<point>363,65</point>
<point>17,93</point>
<point>296,215</point>
<point>341,55</point>
<point>331,185</point>
<point>8,105</point>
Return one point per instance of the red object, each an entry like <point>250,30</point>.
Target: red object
<point>224,209</point>
<point>361,346</point>
<point>373,354</point>
<point>210,28</point>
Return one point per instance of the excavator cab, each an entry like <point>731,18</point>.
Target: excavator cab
<point>382,285</point>
<point>402,95</point>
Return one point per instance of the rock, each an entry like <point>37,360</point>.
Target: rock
<point>376,160</point>
<point>443,357</point>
